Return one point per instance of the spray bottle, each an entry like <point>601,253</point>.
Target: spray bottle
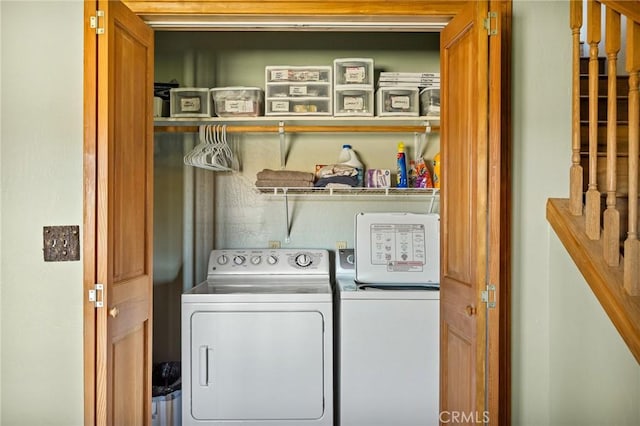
<point>402,167</point>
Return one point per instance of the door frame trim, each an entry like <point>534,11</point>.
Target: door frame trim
<point>89,237</point>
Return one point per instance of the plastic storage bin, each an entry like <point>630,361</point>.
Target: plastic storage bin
<point>238,101</point>
<point>398,101</point>
<point>298,90</point>
<point>353,71</point>
<point>298,107</point>
<point>190,102</point>
<point>354,102</point>
<point>280,73</point>
<point>430,102</point>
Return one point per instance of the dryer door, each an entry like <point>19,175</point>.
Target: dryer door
<point>257,365</point>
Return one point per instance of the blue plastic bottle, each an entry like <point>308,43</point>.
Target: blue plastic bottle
<point>402,167</point>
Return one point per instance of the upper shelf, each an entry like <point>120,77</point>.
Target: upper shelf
<point>303,124</point>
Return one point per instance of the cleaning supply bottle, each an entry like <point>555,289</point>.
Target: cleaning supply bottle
<point>436,171</point>
<point>412,174</point>
<point>402,167</point>
<point>348,157</point>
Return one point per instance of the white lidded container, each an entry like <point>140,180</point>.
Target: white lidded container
<point>354,101</point>
<point>238,101</point>
<point>357,71</point>
<point>190,102</point>
<point>398,101</point>
<point>430,101</point>
<point>298,90</point>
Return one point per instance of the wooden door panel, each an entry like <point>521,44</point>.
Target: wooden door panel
<point>460,364</point>
<point>458,317</point>
<point>128,355</point>
<point>130,300</point>
<point>463,63</point>
<point>460,150</point>
<point>124,226</point>
<point>129,158</point>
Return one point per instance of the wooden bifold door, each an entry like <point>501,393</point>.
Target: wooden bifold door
<point>118,216</point>
<point>475,198</point>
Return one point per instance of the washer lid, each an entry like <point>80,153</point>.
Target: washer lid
<point>397,248</point>
<point>349,289</point>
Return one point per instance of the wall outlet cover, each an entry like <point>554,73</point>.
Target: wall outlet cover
<point>61,243</point>
<point>274,244</point>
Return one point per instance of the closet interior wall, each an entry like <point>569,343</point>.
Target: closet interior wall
<point>226,206</point>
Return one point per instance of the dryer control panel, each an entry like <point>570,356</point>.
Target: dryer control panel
<point>268,262</point>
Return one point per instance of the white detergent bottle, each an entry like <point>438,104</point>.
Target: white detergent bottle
<point>348,157</point>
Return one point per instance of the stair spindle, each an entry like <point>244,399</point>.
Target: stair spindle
<point>592,210</point>
<point>611,217</point>
<point>575,173</point>
<point>632,245</point>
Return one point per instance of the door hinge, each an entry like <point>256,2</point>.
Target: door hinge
<point>487,23</point>
<point>96,295</point>
<point>95,22</point>
<point>490,301</point>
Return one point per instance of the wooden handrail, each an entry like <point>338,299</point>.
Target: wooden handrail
<point>605,281</point>
<point>628,8</point>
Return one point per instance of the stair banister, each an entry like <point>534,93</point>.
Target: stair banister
<point>592,207</point>
<point>575,173</point>
<point>611,217</point>
<point>632,245</point>
<point>592,237</point>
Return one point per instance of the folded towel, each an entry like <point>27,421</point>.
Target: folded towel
<point>284,175</point>
<point>338,186</point>
<point>336,170</point>
<point>347,180</point>
<point>273,183</point>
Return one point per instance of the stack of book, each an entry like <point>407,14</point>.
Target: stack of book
<point>410,79</point>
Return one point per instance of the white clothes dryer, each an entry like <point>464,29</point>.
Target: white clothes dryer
<point>257,340</point>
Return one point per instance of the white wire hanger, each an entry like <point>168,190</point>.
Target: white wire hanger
<point>213,151</point>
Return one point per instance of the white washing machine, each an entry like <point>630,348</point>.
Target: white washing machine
<point>388,332</point>
<point>257,340</point>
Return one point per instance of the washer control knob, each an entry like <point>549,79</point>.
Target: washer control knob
<point>303,260</point>
<point>223,259</point>
<point>272,259</point>
<point>255,260</point>
<point>350,259</point>
<point>239,260</point>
